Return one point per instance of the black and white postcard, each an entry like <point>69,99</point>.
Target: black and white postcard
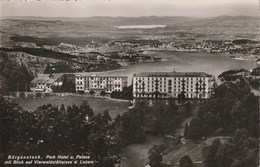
<point>129,83</point>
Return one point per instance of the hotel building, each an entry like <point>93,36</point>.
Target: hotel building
<point>98,82</point>
<point>165,85</point>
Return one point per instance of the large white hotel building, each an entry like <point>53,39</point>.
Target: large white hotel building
<point>98,82</point>
<point>165,85</point>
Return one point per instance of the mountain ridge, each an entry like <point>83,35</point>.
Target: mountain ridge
<point>121,17</point>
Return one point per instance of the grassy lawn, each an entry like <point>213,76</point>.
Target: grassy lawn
<point>192,149</point>
<point>98,104</point>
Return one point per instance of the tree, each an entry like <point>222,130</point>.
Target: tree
<point>156,156</point>
<point>188,109</point>
<point>62,108</point>
<point>16,75</point>
<point>186,161</point>
<point>67,85</point>
<point>130,130</point>
<point>117,120</point>
<point>186,130</point>
<point>233,107</point>
<point>48,69</point>
<point>21,76</point>
<point>223,156</point>
<point>253,123</point>
<point>102,93</point>
<point>58,67</point>
<point>106,116</point>
<point>3,85</point>
<point>196,130</point>
<point>181,97</point>
<point>38,95</point>
<point>122,95</point>
<point>15,128</point>
<point>210,159</point>
<point>55,130</point>
<point>91,92</point>
<point>128,89</point>
<point>7,119</point>
<point>22,95</point>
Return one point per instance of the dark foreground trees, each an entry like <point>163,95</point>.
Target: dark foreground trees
<point>233,107</point>
<point>156,156</point>
<point>159,119</point>
<point>16,76</point>
<point>53,130</point>
<point>234,111</point>
<point>238,151</point>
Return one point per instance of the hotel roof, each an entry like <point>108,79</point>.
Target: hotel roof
<point>99,74</point>
<point>173,74</point>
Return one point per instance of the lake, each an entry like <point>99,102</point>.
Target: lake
<point>140,26</point>
<point>213,64</point>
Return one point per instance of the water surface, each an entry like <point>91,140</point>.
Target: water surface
<point>213,64</point>
<point>140,26</point>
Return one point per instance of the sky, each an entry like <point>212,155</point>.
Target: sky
<point>128,8</point>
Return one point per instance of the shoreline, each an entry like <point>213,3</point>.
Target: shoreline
<point>148,52</point>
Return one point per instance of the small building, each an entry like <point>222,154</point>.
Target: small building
<point>45,82</point>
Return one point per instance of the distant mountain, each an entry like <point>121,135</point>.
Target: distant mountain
<point>221,27</point>
<point>237,17</point>
<point>147,20</point>
<point>122,18</point>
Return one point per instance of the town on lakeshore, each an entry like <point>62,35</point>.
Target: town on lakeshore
<point>129,83</point>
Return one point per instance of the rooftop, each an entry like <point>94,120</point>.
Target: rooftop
<point>172,74</point>
<point>101,74</point>
<point>46,78</point>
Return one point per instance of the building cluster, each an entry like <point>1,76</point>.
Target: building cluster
<point>146,85</point>
<point>65,48</point>
<point>192,44</point>
<point>216,46</point>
